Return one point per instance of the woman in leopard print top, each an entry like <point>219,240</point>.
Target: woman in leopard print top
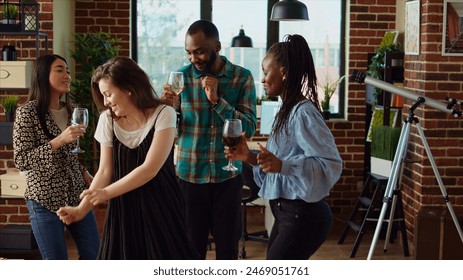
<point>42,141</point>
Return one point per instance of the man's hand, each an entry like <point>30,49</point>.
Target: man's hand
<point>210,85</point>
<point>169,96</point>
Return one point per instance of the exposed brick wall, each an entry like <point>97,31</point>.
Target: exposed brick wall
<point>436,76</point>
<point>369,20</point>
<point>111,16</point>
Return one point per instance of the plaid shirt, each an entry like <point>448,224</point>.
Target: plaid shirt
<point>201,155</point>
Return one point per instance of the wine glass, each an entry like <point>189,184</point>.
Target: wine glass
<point>231,137</point>
<point>79,116</point>
<point>176,82</point>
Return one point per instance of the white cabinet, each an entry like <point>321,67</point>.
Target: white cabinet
<point>15,74</point>
<point>13,184</point>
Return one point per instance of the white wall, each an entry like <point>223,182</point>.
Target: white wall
<point>63,27</point>
<point>400,19</point>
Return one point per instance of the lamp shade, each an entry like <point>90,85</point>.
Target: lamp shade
<point>289,10</point>
<point>241,41</point>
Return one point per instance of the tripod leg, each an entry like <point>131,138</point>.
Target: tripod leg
<point>439,180</point>
<point>390,221</point>
<point>392,182</point>
<point>393,208</point>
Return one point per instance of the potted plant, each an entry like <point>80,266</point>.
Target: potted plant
<point>9,11</point>
<point>90,51</point>
<point>9,104</point>
<point>383,146</point>
<point>329,88</point>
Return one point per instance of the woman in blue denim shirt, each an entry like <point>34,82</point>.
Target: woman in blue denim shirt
<point>301,162</point>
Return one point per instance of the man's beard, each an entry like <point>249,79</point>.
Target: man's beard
<point>208,69</point>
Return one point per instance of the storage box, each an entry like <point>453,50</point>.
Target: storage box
<point>381,166</point>
<point>15,74</point>
<point>436,236</point>
<point>13,184</point>
<point>17,237</point>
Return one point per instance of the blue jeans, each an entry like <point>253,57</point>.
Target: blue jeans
<point>48,230</point>
<point>299,230</point>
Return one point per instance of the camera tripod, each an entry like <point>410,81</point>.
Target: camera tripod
<point>393,183</point>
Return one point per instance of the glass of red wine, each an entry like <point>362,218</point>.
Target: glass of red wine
<point>231,137</point>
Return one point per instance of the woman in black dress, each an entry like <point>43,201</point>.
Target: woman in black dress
<point>136,174</point>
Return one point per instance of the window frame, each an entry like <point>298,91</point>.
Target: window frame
<point>272,37</point>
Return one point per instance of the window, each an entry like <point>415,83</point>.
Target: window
<point>323,34</point>
<point>160,36</point>
<point>159,28</point>
<point>254,27</point>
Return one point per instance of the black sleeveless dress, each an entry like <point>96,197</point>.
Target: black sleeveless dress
<point>148,222</point>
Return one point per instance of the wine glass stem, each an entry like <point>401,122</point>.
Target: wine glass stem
<point>78,145</point>
<point>230,164</point>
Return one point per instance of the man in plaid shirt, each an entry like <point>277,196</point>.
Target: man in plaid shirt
<point>215,90</point>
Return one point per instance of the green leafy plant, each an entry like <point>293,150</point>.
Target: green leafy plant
<point>329,88</point>
<point>10,11</point>
<point>90,51</point>
<point>376,66</point>
<point>384,141</point>
<point>9,103</point>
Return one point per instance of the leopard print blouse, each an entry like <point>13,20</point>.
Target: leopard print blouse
<point>53,178</point>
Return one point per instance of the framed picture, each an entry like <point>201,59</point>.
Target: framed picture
<point>390,37</point>
<point>412,28</point>
<point>452,37</point>
<point>378,116</point>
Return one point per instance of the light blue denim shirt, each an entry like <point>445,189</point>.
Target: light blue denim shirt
<point>311,163</point>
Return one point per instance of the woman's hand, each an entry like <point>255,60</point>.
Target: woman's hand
<point>69,215</point>
<point>240,152</point>
<point>267,161</point>
<point>69,135</point>
<point>95,196</point>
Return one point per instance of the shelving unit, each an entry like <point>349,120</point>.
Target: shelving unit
<point>393,72</point>
<point>25,23</point>
<point>37,35</point>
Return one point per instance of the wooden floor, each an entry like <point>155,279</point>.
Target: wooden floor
<point>330,250</point>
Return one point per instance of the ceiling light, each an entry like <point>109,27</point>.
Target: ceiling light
<point>241,41</point>
<point>289,10</point>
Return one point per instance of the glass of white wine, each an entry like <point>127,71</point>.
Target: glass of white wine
<point>79,116</point>
<point>176,82</point>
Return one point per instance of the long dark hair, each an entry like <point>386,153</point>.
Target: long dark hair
<point>301,80</point>
<point>40,88</point>
<point>125,74</point>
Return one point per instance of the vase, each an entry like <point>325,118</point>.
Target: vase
<point>9,21</point>
<point>326,115</point>
<point>9,116</point>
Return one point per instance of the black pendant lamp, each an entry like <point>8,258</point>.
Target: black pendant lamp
<point>241,41</point>
<point>290,10</point>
